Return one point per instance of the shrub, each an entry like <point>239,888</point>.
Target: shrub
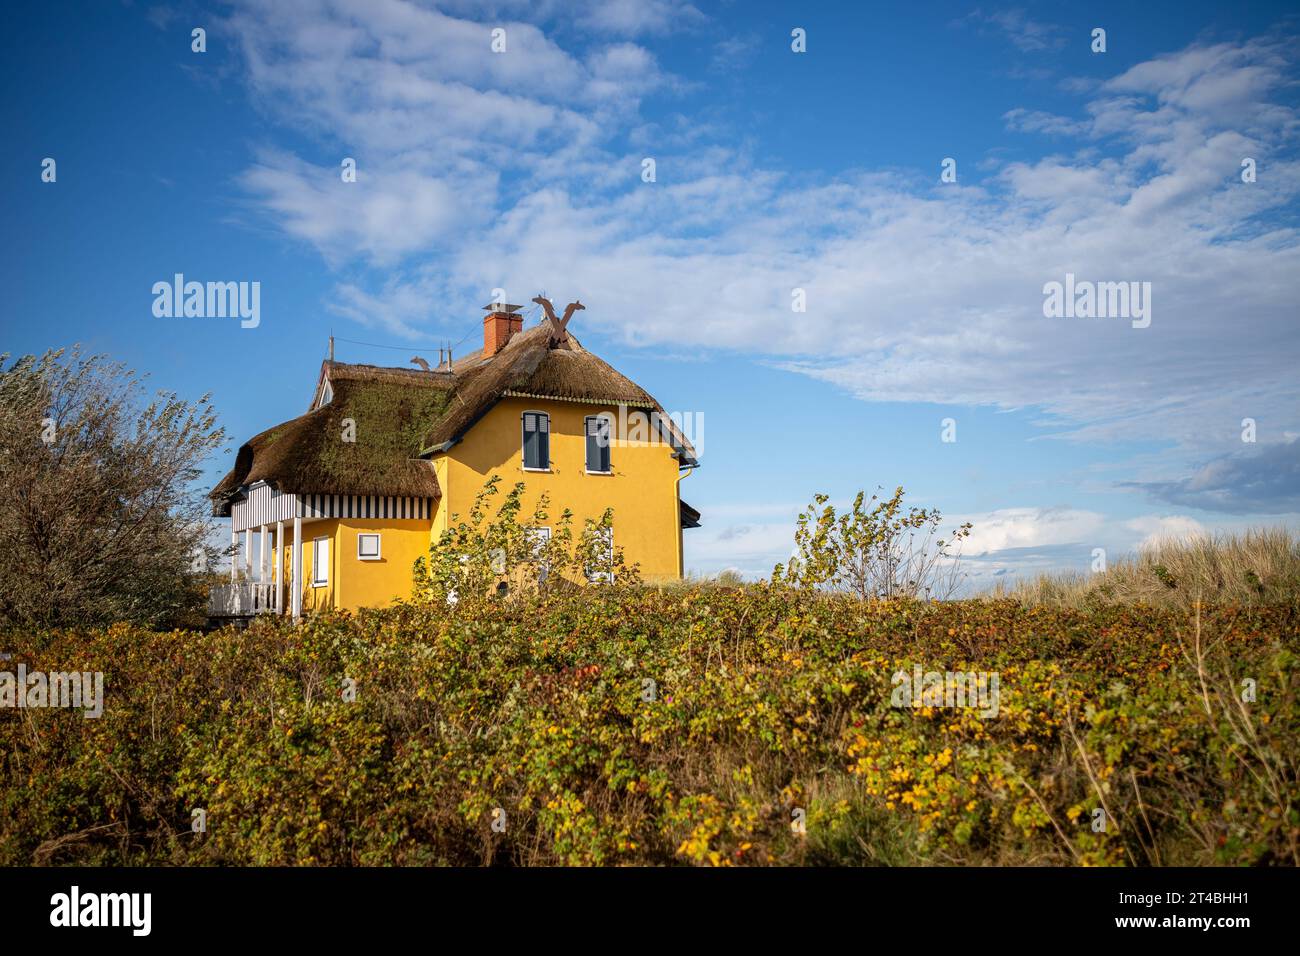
<point>874,550</point>
<point>488,554</point>
<point>647,726</point>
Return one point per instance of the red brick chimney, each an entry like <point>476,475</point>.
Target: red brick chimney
<point>501,322</point>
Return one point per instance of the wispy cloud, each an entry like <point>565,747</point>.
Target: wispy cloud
<point>1015,25</point>
<point>734,52</point>
<point>388,213</point>
<point>638,17</point>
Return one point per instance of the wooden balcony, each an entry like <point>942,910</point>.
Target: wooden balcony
<point>241,600</point>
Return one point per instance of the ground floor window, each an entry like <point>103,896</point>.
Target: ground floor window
<point>368,547</point>
<point>320,562</point>
<point>539,538</point>
<point>600,564</point>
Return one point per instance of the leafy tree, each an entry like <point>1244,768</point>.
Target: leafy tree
<point>102,520</point>
<point>876,549</point>
<point>485,556</point>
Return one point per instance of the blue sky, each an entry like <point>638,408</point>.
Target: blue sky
<point>775,171</point>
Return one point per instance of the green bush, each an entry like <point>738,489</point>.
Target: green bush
<point>643,726</point>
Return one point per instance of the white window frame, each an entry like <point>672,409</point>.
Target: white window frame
<point>594,577</point>
<point>543,534</point>
<point>523,452</point>
<point>379,546</point>
<point>317,566</point>
<point>608,419</point>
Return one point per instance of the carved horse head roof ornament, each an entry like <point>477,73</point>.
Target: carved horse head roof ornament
<point>559,326</point>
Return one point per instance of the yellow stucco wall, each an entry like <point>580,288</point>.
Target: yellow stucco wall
<point>352,582</point>
<point>376,583</point>
<point>642,489</point>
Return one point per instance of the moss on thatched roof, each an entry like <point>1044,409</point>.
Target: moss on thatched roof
<point>403,414</point>
<point>309,455</point>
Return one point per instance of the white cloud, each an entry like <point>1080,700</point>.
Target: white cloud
<point>1164,529</point>
<point>1010,528</point>
<point>433,116</point>
<point>386,214</point>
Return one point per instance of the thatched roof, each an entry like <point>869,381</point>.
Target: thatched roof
<point>531,366</point>
<point>308,454</point>
<point>404,415</point>
<point>346,372</point>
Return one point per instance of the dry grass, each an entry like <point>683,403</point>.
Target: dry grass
<point>694,581</point>
<point>1261,566</point>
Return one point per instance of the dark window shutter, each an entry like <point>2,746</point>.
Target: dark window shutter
<point>593,444</point>
<point>536,441</point>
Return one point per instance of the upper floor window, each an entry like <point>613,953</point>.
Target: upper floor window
<point>537,441</point>
<point>596,428</point>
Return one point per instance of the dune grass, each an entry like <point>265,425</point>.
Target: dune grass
<point>1260,566</point>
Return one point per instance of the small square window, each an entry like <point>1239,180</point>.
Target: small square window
<point>368,547</point>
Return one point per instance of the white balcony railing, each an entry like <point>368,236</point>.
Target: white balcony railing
<point>241,600</point>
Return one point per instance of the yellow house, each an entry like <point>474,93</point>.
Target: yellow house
<point>337,504</point>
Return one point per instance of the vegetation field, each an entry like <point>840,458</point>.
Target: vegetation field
<point>750,725</point>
